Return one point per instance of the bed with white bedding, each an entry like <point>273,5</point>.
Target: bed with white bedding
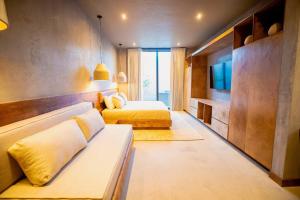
<point>140,114</point>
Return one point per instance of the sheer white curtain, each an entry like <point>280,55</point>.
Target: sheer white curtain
<point>133,65</point>
<point>177,77</point>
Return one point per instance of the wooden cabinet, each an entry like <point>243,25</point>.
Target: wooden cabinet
<point>250,123</point>
<point>221,113</point>
<point>220,120</point>
<point>193,109</point>
<point>212,113</point>
<point>194,103</point>
<point>256,71</point>
<point>219,127</point>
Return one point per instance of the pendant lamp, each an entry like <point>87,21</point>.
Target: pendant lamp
<point>3,16</point>
<point>122,78</point>
<point>101,72</point>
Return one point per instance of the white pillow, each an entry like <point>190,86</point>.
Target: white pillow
<point>90,123</point>
<point>42,155</point>
<point>118,101</point>
<point>108,102</point>
<point>122,94</point>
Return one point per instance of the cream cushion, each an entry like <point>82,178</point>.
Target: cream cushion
<point>123,95</point>
<point>108,102</point>
<point>118,101</point>
<point>90,123</point>
<point>43,154</point>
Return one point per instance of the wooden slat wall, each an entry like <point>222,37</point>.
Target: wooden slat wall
<point>20,110</point>
<point>199,77</point>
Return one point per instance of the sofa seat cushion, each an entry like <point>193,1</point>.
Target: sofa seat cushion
<point>92,174</point>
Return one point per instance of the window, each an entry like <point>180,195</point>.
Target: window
<point>155,75</point>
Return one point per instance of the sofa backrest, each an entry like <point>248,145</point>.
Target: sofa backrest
<point>10,172</point>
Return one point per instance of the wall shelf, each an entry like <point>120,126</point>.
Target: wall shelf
<point>259,23</point>
<point>241,31</point>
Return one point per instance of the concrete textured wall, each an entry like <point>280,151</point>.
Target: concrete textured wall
<point>286,156</point>
<point>292,161</point>
<point>51,48</point>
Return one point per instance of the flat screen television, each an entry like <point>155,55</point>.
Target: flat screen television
<point>220,75</point>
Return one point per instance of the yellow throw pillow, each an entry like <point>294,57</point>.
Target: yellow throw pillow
<point>42,155</point>
<point>118,101</point>
<point>90,123</point>
<point>108,102</point>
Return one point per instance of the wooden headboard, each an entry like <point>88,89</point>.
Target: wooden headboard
<point>20,110</point>
<point>102,94</point>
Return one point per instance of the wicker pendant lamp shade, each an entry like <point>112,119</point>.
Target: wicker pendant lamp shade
<point>3,16</point>
<point>101,72</point>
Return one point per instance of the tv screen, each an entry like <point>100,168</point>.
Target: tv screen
<point>228,71</point>
<point>220,76</point>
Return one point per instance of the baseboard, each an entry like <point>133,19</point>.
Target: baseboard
<point>284,182</point>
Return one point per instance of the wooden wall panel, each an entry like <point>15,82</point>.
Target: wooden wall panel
<point>199,77</point>
<point>262,99</point>
<point>239,97</point>
<point>256,72</point>
<point>20,110</point>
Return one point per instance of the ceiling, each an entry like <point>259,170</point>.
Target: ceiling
<point>164,23</point>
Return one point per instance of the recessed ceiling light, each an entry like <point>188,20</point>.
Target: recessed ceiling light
<point>124,16</point>
<point>134,44</point>
<point>178,43</point>
<point>199,16</point>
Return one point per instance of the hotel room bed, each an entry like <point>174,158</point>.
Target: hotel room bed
<point>152,114</point>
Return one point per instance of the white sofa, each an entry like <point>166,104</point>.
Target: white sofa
<point>94,173</point>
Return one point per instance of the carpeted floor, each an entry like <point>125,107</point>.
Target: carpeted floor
<point>180,131</point>
<point>209,169</point>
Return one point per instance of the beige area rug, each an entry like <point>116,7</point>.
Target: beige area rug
<point>180,131</point>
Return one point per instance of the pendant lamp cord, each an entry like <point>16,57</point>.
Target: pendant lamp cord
<point>100,40</point>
